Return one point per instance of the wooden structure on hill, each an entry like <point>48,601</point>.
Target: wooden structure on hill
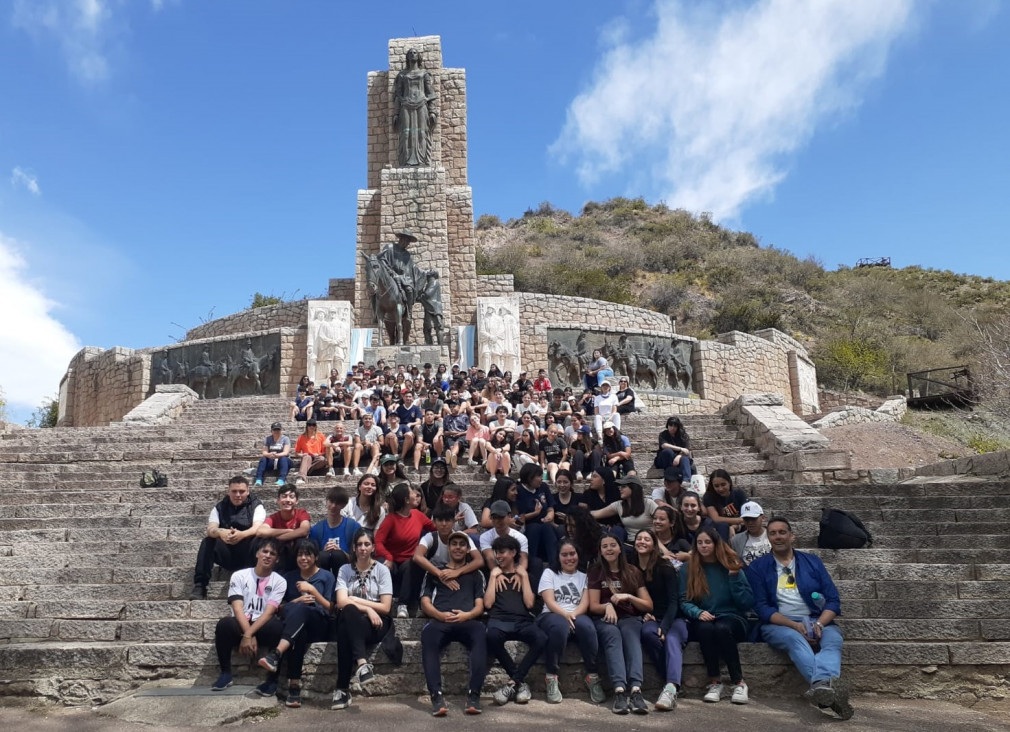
<point>941,388</point>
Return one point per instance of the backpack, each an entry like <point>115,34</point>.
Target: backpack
<point>842,530</point>
<point>153,478</point>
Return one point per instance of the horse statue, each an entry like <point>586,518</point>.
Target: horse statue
<point>248,369</point>
<point>564,363</point>
<point>181,372</point>
<point>642,369</point>
<point>201,375</point>
<point>670,368</point>
<point>387,300</point>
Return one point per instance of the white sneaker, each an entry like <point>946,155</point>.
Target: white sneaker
<point>356,471</point>
<point>299,480</point>
<point>713,693</point>
<point>740,694</point>
<point>347,471</point>
<point>578,476</point>
<point>667,698</point>
<point>249,471</point>
<point>374,471</point>
<point>401,611</point>
<point>331,473</point>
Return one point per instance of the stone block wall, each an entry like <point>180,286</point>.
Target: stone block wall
<point>462,255</point>
<point>102,386</point>
<point>341,289</point>
<point>284,315</point>
<point>830,400</point>
<point>739,363</point>
<point>890,411</point>
<point>499,285</point>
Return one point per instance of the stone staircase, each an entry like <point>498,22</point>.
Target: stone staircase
<point>95,572</point>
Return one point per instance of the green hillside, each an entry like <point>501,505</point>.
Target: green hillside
<point>865,327</point>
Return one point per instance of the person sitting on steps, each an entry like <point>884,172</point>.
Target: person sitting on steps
<point>454,610</point>
<point>275,456</point>
<point>254,594</point>
<point>287,525</point>
<point>231,533</point>
<point>310,451</point>
<point>798,603</point>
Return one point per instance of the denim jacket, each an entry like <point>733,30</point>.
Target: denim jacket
<point>811,576</point>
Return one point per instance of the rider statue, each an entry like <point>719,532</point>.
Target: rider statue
<point>414,283</point>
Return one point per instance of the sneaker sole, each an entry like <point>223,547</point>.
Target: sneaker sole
<point>293,705</point>
<point>473,710</point>
<point>264,663</point>
<point>338,707</point>
<point>440,712</point>
<point>740,702</point>
<point>711,701</point>
<point>264,694</point>
<point>221,688</point>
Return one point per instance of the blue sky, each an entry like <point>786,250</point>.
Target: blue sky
<point>164,159</point>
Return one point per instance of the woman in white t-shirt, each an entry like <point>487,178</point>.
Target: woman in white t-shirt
<point>368,508</point>
<point>566,604</point>
<point>605,408</point>
<point>365,599</point>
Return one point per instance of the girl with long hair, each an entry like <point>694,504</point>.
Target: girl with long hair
<point>722,502</point>
<point>365,600</point>
<point>664,635</point>
<point>616,450</point>
<point>499,454</point>
<point>715,596</point>
<point>395,542</point>
<point>368,508</point>
<point>390,473</point>
<point>675,449</point>
<point>565,613</point>
<point>633,509</point>
<point>585,533</point>
<point>668,526</point>
<point>505,489</point>
<point>618,601</point>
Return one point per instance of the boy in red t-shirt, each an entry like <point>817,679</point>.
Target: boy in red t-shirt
<point>287,525</point>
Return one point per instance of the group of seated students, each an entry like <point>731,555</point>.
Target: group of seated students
<point>621,572</point>
<point>487,419</point>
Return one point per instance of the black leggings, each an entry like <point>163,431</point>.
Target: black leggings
<point>407,578</point>
<point>355,633</point>
<point>718,639</point>
<point>228,636</point>
<point>302,625</point>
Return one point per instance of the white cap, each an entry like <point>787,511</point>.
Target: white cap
<point>751,509</point>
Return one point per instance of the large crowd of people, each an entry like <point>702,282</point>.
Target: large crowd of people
<point>570,543</point>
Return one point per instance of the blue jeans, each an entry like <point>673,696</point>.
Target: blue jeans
<point>281,465</point>
<point>667,655</point>
<point>622,650</point>
<point>593,382</point>
<point>559,631</point>
<point>665,458</point>
<point>820,666</point>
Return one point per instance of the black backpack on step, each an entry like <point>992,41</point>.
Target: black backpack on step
<point>842,530</point>
<point>153,478</point>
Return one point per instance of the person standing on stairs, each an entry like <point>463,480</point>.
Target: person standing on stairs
<point>231,532</point>
<point>798,603</point>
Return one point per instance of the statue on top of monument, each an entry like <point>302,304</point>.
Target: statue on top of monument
<point>414,113</point>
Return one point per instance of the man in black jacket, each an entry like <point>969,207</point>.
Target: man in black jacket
<point>231,532</point>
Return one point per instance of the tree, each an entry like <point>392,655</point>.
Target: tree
<point>852,363</point>
<point>45,415</point>
<point>991,372</point>
<point>260,300</point>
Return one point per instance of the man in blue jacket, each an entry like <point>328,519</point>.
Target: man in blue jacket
<point>797,603</point>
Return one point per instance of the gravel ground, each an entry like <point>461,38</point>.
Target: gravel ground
<point>891,445</point>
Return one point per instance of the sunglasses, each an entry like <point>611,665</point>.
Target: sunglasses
<point>790,579</point>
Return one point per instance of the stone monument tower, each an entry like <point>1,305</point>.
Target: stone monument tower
<point>415,218</point>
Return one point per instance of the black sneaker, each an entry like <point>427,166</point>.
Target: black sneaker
<point>473,702</point>
<point>621,702</point>
<point>199,592</point>
<point>840,705</point>
<point>341,699</point>
<point>294,699</point>
<point>438,708</point>
<point>270,661</point>
<point>267,688</point>
<point>638,705</point>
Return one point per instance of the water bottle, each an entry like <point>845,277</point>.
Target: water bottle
<point>427,457</point>
<point>818,599</point>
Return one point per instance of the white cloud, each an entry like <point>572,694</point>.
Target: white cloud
<point>27,179</point>
<point>35,347</point>
<point>81,27</point>
<point>705,112</point>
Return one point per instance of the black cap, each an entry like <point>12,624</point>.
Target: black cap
<point>276,426</point>
<point>311,422</point>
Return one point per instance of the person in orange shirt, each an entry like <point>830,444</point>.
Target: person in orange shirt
<point>311,451</point>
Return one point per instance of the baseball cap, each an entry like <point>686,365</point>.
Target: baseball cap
<point>608,425</point>
<point>311,422</point>
<point>459,533</point>
<point>630,480</point>
<point>585,429</point>
<point>500,508</point>
<point>673,473</point>
<point>751,509</point>
<point>276,426</point>
<point>605,384</point>
<point>388,458</point>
